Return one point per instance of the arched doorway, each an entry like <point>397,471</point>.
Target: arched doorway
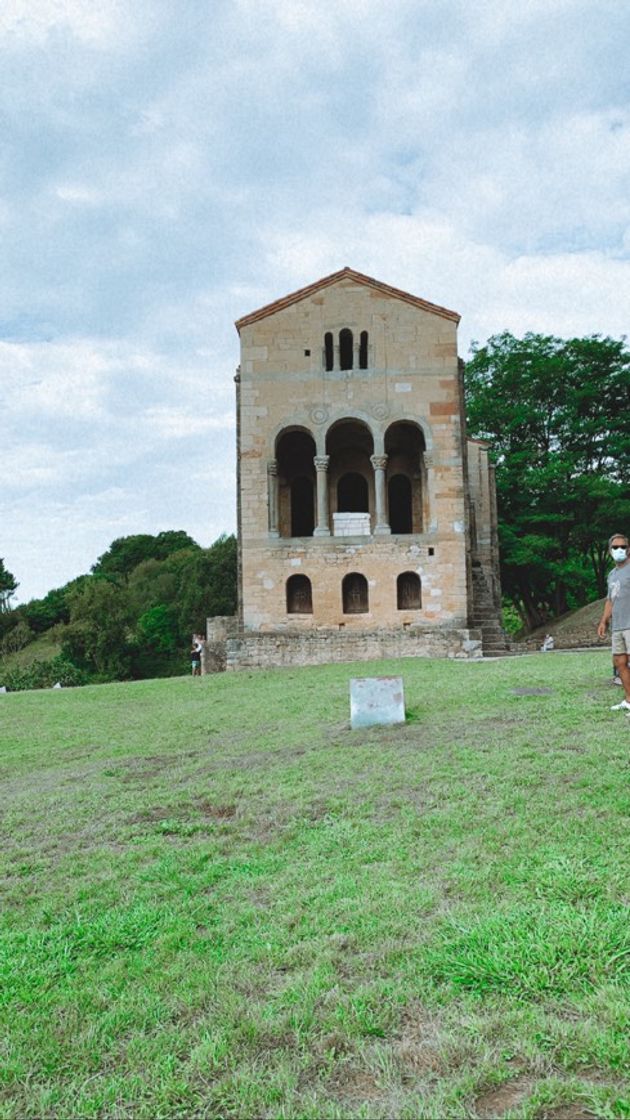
<point>352,493</point>
<point>406,472</point>
<point>295,451</point>
<point>349,445</point>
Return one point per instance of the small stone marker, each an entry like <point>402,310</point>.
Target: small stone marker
<point>57,685</point>
<point>3,687</point>
<point>376,700</point>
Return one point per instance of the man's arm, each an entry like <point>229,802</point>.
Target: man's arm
<point>605,619</point>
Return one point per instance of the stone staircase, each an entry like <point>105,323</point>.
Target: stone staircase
<point>486,618</point>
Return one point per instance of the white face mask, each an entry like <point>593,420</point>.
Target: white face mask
<point>618,554</point>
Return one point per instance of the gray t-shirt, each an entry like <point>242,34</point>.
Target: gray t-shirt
<point>619,595</point>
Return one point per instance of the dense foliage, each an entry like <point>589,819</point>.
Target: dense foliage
<point>557,416</point>
<point>132,617</point>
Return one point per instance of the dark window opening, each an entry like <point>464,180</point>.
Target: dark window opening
<point>299,595</point>
<point>302,507</point>
<point>307,353</point>
<point>354,590</point>
<point>473,525</point>
<point>409,592</point>
<point>346,346</point>
<point>329,354</point>
<point>363,350</point>
<point>400,511</point>
<point>431,552</point>
<point>352,494</point>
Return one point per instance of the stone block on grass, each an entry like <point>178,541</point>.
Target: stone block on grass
<point>376,701</point>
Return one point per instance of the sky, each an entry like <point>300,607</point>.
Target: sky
<point>167,168</point>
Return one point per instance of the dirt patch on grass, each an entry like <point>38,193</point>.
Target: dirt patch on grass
<point>211,809</point>
<point>352,1085</point>
<point>496,1102</point>
<point>156,813</point>
<point>417,1045</point>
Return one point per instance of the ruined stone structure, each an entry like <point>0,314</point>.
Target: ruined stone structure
<point>366,519</point>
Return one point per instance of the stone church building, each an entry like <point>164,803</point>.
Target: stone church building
<point>366,518</point>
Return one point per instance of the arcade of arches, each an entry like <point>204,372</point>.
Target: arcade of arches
<point>307,492</point>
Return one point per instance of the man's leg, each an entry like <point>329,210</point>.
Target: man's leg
<point>621,665</point>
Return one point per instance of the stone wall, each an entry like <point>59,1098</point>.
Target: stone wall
<point>251,650</point>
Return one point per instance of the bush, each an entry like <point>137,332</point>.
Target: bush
<point>43,674</point>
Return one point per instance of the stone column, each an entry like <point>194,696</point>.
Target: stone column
<point>322,528</point>
<point>272,490</point>
<point>379,463</point>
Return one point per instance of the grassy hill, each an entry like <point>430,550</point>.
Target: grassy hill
<point>220,901</point>
<point>43,648</point>
<point>573,630</point>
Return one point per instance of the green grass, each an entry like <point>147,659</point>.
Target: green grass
<point>219,901</point>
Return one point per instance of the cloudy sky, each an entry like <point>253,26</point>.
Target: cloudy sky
<point>168,167</point>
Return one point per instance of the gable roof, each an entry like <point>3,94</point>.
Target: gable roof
<point>344,274</point>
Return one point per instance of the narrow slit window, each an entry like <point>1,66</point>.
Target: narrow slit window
<point>346,345</point>
<point>329,356</point>
<point>363,350</point>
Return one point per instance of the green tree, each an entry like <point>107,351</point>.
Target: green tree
<point>8,587</point>
<point>99,636</point>
<point>557,415</point>
<point>125,553</point>
<point>207,586</point>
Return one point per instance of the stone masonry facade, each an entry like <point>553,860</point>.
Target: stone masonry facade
<point>366,519</point>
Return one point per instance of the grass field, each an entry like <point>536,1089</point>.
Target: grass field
<point>218,900</point>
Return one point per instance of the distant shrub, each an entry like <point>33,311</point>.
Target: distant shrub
<point>43,674</point>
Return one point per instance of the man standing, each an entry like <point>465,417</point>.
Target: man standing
<point>617,608</point>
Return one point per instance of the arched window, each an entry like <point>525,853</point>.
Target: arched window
<point>329,356</point>
<point>408,592</point>
<point>352,493</point>
<point>363,350</point>
<point>299,595</point>
<point>400,511</point>
<point>354,592</point>
<point>346,346</point>
<point>302,507</point>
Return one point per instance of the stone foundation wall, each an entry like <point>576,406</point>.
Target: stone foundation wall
<point>257,650</point>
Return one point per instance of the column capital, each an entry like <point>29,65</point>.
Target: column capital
<point>272,466</point>
<point>321,462</point>
<point>379,462</point>
<point>429,460</point>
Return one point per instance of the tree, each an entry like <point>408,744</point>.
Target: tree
<point>99,636</point>
<point>557,415</point>
<point>208,586</point>
<point>125,553</point>
<point>8,587</point>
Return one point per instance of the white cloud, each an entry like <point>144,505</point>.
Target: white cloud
<point>174,423</point>
<point>91,23</point>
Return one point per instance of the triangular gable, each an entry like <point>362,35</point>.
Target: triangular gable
<point>344,274</point>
